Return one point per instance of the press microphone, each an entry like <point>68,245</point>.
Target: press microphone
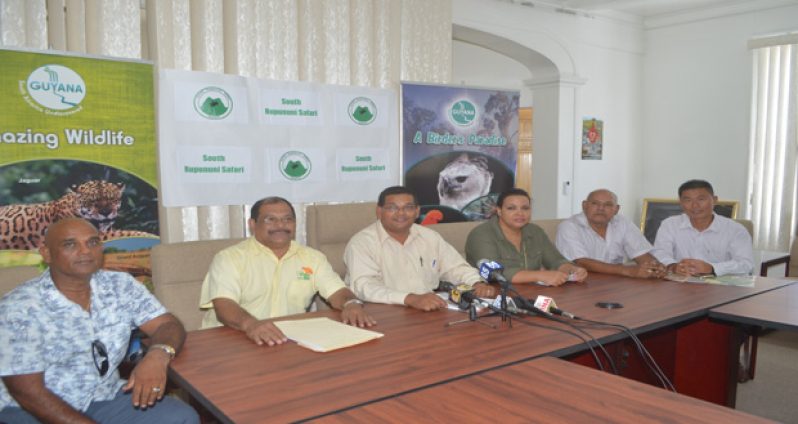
<point>546,304</point>
<point>492,271</point>
<point>462,295</point>
<point>445,286</point>
<point>525,307</point>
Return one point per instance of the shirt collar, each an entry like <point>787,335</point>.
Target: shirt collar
<point>383,235</point>
<point>713,226</point>
<point>526,230</point>
<point>497,230</point>
<point>55,301</point>
<point>581,219</point>
<point>258,248</point>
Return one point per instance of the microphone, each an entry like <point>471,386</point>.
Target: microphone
<point>462,295</point>
<point>546,304</point>
<point>492,271</point>
<point>525,307</point>
<point>445,286</point>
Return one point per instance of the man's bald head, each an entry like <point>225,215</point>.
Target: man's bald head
<point>54,230</point>
<point>601,193</point>
<point>600,207</point>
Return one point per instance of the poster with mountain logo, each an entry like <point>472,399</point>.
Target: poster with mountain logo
<point>229,140</point>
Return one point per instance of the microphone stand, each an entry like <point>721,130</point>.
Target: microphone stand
<point>505,313</point>
<point>506,316</point>
<point>502,310</point>
<point>473,316</point>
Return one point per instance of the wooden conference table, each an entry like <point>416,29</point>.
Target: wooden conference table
<point>776,309</point>
<point>240,382</point>
<point>542,390</point>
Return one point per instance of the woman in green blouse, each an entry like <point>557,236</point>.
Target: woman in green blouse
<point>527,254</point>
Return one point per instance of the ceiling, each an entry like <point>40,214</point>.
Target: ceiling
<point>642,8</point>
<point>653,11</point>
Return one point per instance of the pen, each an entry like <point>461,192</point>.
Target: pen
<point>421,260</point>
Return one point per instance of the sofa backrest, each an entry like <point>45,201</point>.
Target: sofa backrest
<point>178,270</point>
<point>329,228</point>
<point>12,276</point>
<point>549,227</point>
<point>748,224</point>
<point>456,233</point>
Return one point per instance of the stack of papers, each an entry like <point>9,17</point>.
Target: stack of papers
<point>324,334</point>
<point>726,280</point>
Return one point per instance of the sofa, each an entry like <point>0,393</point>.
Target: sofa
<point>178,270</point>
<point>13,276</point>
<point>329,228</point>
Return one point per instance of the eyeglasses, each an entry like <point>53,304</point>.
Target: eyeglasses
<point>271,220</point>
<point>408,208</point>
<point>98,350</point>
<point>596,204</point>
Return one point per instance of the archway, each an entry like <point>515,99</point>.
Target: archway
<point>553,86</point>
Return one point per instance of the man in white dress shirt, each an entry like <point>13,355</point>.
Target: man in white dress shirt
<point>600,240</point>
<point>396,261</point>
<point>700,242</point>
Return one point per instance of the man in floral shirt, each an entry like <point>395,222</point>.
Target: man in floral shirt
<point>64,333</point>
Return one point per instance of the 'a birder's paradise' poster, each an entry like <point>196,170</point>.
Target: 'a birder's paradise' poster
<point>459,149</point>
<point>230,140</point>
<point>77,138</point>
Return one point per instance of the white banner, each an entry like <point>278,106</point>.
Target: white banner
<point>230,140</point>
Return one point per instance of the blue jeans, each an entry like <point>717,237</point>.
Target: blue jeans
<point>119,410</point>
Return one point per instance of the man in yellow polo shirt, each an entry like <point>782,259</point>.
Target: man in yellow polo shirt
<point>270,275</point>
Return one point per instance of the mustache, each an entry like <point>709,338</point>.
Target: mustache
<point>280,231</point>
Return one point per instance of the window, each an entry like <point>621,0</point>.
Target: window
<point>772,153</point>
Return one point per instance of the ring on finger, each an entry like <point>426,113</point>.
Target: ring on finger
<point>156,389</point>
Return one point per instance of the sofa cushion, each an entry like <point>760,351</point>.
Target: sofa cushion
<point>178,270</point>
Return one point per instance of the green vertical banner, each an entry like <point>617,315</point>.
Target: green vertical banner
<point>77,138</point>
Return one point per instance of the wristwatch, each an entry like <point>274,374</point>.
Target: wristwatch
<point>350,301</point>
<point>166,348</point>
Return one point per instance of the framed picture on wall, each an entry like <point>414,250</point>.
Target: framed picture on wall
<point>655,210</point>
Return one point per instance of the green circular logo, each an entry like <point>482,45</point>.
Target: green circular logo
<point>362,110</point>
<point>295,165</point>
<point>213,103</point>
<point>56,88</point>
<point>463,113</point>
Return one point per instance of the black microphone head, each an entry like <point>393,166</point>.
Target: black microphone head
<point>528,305</point>
<point>468,296</point>
<point>462,295</point>
<point>522,302</point>
<point>445,286</point>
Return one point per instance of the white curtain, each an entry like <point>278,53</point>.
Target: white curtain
<point>772,171</point>
<point>351,42</point>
